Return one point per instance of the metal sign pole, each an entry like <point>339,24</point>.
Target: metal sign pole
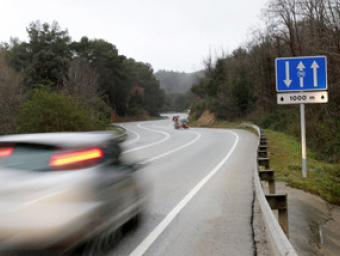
<point>303,140</point>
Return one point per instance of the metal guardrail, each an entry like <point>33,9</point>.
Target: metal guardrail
<point>278,240</point>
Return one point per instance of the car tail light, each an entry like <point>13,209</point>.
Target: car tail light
<point>76,159</point>
<point>5,152</point>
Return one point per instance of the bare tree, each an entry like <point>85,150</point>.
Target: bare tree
<point>82,84</point>
<point>82,80</point>
<point>284,17</point>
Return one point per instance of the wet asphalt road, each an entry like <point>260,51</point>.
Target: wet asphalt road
<point>200,192</point>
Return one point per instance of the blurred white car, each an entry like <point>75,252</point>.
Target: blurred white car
<point>58,190</point>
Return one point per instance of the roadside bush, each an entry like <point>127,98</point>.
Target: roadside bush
<point>47,111</point>
<point>197,109</point>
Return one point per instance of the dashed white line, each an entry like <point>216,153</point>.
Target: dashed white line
<point>157,231</point>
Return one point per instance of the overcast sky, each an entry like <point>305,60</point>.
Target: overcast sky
<point>168,34</point>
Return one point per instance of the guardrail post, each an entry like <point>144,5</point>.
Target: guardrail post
<point>263,142</point>
<point>279,202</point>
<point>262,153</point>
<point>263,161</point>
<point>268,175</point>
<point>283,220</point>
<point>276,201</point>
<point>271,185</point>
<point>261,131</point>
<point>263,147</point>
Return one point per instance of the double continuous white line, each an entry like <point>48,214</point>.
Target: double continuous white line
<point>135,139</point>
<point>165,138</point>
<point>198,136</point>
<point>158,230</point>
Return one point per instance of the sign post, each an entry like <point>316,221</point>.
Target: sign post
<point>303,140</point>
<point>301,80</point>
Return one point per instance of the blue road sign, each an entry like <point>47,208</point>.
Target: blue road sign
<point>301,74</point>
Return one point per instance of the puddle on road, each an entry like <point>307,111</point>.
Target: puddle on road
<point>314,225</point>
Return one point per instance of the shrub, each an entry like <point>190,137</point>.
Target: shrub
<point>47,111</point>
<point>197,109</point>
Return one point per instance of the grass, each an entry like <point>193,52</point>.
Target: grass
<point>285,158</point>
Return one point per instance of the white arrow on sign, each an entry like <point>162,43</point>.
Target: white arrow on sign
<point>287,81</point>
<point>315,67</point>
<point>301,69</point>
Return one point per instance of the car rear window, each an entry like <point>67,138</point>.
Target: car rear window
<point>27,157</point>
<point>37,157</point>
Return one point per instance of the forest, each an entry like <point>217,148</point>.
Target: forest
<point>52,83</point>
<point>177,85</point>
<point>241,85</point>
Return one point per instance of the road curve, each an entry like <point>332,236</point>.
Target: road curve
<point>200,188</point>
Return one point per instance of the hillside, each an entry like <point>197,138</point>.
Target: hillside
<point>177,82</point>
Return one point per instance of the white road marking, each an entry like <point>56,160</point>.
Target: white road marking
<point>134,140</point>
<point>150,239</point>
<point>198,136</point>
<point>166,137</point>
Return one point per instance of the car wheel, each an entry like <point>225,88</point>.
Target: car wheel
<point>133,223</point>
<point>98,245</point>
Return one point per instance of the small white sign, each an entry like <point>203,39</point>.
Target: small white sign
<point>302,97</point>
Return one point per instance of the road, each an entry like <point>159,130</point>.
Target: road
<point>199,183</point>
